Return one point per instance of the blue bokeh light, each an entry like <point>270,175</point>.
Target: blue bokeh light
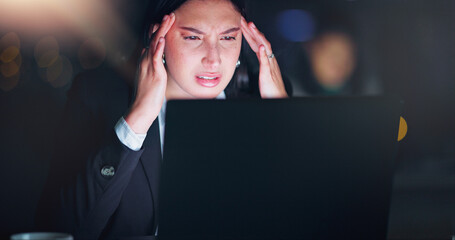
<point>296,25</point>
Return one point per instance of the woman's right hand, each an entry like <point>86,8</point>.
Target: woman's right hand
<point>152,80</point>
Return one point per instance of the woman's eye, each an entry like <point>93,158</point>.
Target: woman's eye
<point>191,38</point>
<point>229,38</point>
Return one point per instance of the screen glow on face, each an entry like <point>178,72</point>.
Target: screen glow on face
<point>202,49</point>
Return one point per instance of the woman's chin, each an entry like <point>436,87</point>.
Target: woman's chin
<point>205,93</point>
<point>207,96</point>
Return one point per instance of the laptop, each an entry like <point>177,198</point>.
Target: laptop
<point>298,168</point>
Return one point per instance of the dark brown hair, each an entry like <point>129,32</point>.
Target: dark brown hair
<point>240,84</point>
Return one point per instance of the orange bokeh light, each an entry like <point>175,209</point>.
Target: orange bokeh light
<point>46,51</point>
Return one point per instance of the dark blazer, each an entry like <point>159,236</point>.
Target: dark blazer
<point>78,198</point>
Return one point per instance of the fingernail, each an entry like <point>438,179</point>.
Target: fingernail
<point>172,14</point>
<point>161,39</point>
<point>253,26</point>
<point>165,17</point>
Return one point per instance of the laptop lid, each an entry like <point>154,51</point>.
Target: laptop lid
<point>299,168</point>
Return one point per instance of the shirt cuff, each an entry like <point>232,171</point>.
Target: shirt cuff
<point>127,136</point>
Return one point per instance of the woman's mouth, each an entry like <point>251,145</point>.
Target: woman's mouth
<point>208,80</point>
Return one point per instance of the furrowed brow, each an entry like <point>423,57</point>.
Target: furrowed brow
<point>197,31</point>
<point>231,30</point>
<point>194,30</point>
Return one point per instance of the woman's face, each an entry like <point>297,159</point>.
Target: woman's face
<point>202,49</point>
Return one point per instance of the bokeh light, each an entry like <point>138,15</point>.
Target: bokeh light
<point>53,67</point>
<point>92,53</point>
<point>10,61</point>
<point>296,25</point>
<point>59,74</point>
<point>9,54</point>
<point>8,83</point>
<point>46,51</point>
<point>9,69</point>
<point>10,39</point>
<point>54,70</point>
<point>115,22</point>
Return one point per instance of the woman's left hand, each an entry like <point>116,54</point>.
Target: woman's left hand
<point>270,81</point>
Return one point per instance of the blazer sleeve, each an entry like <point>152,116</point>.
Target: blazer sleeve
<point>78,198</point>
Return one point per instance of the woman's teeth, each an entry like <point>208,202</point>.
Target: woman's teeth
<point>206,78</point>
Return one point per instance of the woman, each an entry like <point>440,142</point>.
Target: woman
<point>201,51</point>
<point>107,187</point>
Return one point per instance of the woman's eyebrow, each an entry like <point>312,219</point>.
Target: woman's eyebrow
<point>234,29</point>
<point>193,30</point>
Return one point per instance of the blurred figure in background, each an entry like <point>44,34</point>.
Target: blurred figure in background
<point>332,56</point>
<point>325,60</point>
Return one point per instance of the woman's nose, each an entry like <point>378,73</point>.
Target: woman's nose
<point>211,61</point>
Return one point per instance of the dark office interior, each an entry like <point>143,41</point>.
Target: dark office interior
<point>404,48</point>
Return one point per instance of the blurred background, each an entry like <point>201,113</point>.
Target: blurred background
<point>326,48</point>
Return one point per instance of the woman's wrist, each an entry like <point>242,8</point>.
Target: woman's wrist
<point>139,120</point>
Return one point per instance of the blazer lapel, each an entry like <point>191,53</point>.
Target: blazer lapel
<point>151,162</point>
